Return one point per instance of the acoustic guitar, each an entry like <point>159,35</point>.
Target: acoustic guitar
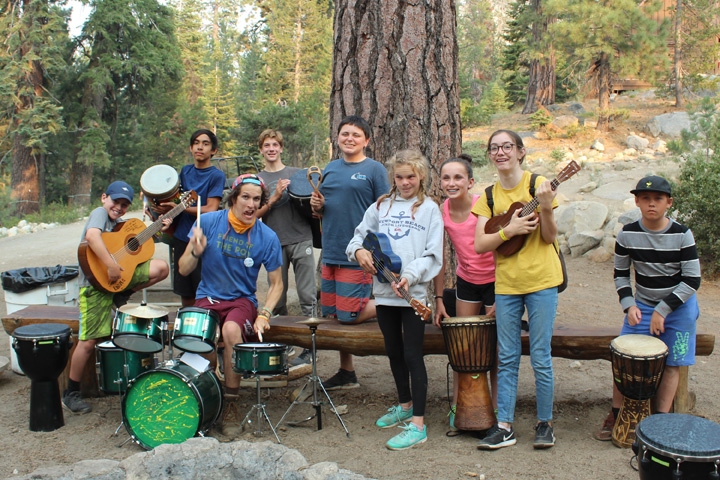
<point>388,265</point>
<point>511,246</point>
<point>128,246</point>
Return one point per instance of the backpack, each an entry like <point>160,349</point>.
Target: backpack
<point>491,204</point>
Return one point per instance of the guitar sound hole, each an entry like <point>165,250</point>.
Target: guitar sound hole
<point>134,245</point>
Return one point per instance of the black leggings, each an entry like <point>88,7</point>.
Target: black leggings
<point>404,333</point>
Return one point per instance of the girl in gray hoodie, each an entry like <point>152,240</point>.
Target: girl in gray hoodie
<point>406,227</point>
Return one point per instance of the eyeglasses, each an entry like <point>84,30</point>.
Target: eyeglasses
<point>506,147</point>
<point>248,178</point>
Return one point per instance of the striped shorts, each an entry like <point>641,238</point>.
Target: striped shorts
<point>344,291</point>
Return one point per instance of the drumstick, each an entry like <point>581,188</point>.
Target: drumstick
<point>260,335</point>
<point>197,240</point>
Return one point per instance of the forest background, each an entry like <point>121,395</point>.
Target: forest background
<point>79,111</point>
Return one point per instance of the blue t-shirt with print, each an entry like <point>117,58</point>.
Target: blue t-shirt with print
<point>349,189</point>
<point>225,273</point>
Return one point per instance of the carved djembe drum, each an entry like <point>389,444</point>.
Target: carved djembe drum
<point>638,362</point>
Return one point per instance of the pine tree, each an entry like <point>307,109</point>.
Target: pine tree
<point>613,37</point>
<point>34,35</point>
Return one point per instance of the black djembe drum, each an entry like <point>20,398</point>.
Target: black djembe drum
<point>42,350</point>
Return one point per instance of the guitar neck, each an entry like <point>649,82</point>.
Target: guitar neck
<point>155,227</point>
<point>419,308</point>
<point>533,204</point>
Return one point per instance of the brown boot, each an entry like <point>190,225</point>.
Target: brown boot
<point>231,419</point>
<point>605,433</point>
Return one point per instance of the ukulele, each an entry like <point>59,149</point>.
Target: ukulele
<point>388,265</point>
<point>127,246</point>
<point>511,246</point>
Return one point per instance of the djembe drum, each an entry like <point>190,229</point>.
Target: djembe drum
<point>471,345</point>
<point>638,362</point>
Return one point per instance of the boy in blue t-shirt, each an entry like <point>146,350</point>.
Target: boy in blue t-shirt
<point>208,182</point>
<point>350,185</point>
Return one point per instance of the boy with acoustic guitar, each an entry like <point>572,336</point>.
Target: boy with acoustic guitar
<point>95,304</point>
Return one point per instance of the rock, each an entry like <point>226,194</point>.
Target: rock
<point>576,364</point>
<point>588,187</point>
<point>629,203</point>
<point>660,146</point>
<point>540,136</point>
<point>630,216</point>
<point>12,232</point>
<point>597,145</point>
<point>636,142</point>
<point>22,223</point>
<point>646,95</point>
<point>576,108</point>
<point>565,121</point>
<point>599,255</point>
<point>670,124</point>
<point>610,226</point>
<point>580,216</point>
<point>553,108</point>
<point>583,242</point>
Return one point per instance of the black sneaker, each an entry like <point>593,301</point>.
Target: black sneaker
<point>73,402</point>
<point>305,358</point>
<point>544,436</point>
<point>496,438</point>
<point>342,380</point>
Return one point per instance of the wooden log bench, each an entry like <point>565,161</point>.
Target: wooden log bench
<point>573,342</point>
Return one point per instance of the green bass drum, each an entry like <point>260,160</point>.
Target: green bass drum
<point>171,405</point>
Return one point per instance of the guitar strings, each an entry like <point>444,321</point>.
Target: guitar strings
<point>389,276</point>
<point>148,233</point>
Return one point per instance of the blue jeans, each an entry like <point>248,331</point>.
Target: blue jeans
<point>541,307</point>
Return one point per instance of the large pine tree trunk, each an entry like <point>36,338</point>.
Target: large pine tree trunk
<point>604,83</point>
<point>81,170</point>
<point>24,178</point>
<point>679,100</point>
<point>541,84</point>
<point>395,63</point>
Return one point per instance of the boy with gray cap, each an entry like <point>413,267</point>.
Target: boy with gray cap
<point>667,276</point>
<point>96,305</point>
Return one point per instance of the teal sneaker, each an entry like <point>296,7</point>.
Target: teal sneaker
<point>410,437</point>
<point>395,416</point>
<point>451,414</point>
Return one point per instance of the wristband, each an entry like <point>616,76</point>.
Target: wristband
<point>438,296</point>
<point>263,316</point>
<point>192,252</point>
<point>502,235</point>
<point>266,312</point>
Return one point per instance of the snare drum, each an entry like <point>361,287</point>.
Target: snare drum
<point>196,330</point>
<point>471,345</point>
<point>260,359</point>
<point>638,362</point>
<point>171,405</point>
<point>161,184</point>
<point>675,445</point>
<point>300,190</point>
<point>115,367</point>
<point>136,334</point>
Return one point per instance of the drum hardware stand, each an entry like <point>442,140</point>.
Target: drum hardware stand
<point>317,385</point>
<point>261,413</point>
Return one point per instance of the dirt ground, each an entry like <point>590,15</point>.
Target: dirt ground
<point>582,392</point>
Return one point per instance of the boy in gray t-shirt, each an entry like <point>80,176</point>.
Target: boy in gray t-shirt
<point>292,228</point>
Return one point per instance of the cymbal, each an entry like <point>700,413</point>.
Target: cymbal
<point>313,321</point>
<point>143,310</point>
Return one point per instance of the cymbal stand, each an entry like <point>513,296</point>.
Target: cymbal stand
<point>317,386</point>
<point>259,408</point>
